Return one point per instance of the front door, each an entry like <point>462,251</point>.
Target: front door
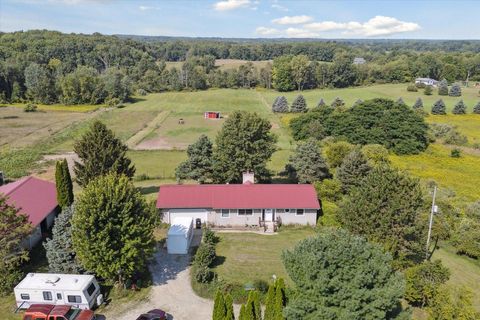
<point>268,214</point>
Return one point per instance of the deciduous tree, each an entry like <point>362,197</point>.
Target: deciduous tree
<point>300,66</point>
<point>112,228</point>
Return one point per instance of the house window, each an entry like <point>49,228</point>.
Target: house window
<point>287,210</point>
<point>300,212</point>
<point>225,213</point>
<point>74,299</point>
<point>245,212</point>
<point>24,296</point>
<point>280,210</point>
<point>91,289</point>
<point>257,211</point>
<point>47,296</point>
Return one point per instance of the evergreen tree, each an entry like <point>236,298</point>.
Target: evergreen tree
<point>418,105</point>
<point>455,90</point>
<point>337,103</point>
<point>243,313</point>
<point>270,303</point>
<point>244,143</point>
<point>459,108</point>
<point>112,228</point>
<point>100,152</point>
<point>199,164</point>
<point>299,104</point>
<point>257,309</point>
<point>443,88</point>
<point>219,307</point>
<point>229,306</point>
<point>280,299</point>
<point>353,169</point>
<point>476,109</point>
<point>63,182</point>
<point>357,102</point>
<point>280,105</point>
<point>341,276</point>
<point>394,201</point>
<point>439,107</point>
<point>400,101</point>
<point>428,90</point>
<point>14,228</point>
<point>321,103</point>
<point>308,164</point>
<point>59,249</point>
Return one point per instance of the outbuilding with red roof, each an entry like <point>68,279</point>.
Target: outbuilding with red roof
<point>38,200</point>
<point>239,205</point>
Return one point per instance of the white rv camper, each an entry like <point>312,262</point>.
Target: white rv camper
<point>180,235</point>
<point>80,291</point>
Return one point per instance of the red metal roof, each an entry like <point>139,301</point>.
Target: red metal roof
<point>235,196</point>
<point>34,197</point>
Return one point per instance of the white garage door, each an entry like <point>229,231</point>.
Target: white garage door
<point>189,213</point>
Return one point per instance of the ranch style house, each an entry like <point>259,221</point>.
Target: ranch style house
<point>38,200</point>
<point>240,205</point>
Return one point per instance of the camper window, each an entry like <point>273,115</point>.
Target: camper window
<point>74,299</point>
<point>25,296</point>
<point>59,296</point>
<point>91,289</point>
<point>47,296</point>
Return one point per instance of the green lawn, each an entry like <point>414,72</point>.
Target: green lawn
<point>245,257</point>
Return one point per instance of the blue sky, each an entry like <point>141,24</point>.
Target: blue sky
<point>249,18</point>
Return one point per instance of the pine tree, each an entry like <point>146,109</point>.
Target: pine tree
<point>356,103</point>
<point>101,152</point>
<point>63,182</point>
<point>352,170</point>
<point>280,105</point>
<point>439,107</point>
<point>321,103</point>
<point>476,109</point>
<point>59,249</point>
<point>198,165</point>
<point>459,108</point>
<point>455,90</point>
<point>308,164</point>
<point>428,90</point>
<point>257,310</point>
<point>337,103</point>
<point>443,88</point>
<point>243,313</point>
<point>229,306</point>
<point>418,105</point>
<point>270,303</point>
<point>400,101</point>
<point>299,104</point>
<point>219,308</point>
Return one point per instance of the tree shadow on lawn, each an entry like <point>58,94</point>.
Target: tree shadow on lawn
<point>219,260</point>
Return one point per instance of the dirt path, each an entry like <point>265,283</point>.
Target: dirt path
<point>134,141</point>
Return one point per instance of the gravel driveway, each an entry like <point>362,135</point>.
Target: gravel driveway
<point>171,291</point>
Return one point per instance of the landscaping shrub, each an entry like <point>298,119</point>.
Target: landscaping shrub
<point>420,85</point>
<point>439,107</point>
<point>428,90</point>
<point>203,274</point>
<point>30,108</point>
<point>418,104</point>
<point>299,104</point>
<point>260,285</point>
<point>412,88</point>
<point>205,255</point>
<point>455,153</point>
<point>459,108</point>
<point>423,281</point>
<point>209,237</point>
<point>337,103</point>
<point>455,90</point>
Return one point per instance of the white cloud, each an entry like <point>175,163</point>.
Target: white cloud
<point>300,33</point>
<point>231,5</point>
<point>146,8</point>
<point>263,31</point>
<point>376,26</point>
<point>293,20</point>
<point>279,7</point>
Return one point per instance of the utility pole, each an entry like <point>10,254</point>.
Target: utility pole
<point>432,212</point>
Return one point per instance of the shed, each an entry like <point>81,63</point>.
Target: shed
<point>180,235</point>
<point>211,115</point>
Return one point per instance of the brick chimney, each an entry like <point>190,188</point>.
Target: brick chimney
<point>248,178</point>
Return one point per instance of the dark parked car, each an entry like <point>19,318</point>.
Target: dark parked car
<point>155,314</point>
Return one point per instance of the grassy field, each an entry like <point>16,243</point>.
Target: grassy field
<point>468,124</point>
<point>223,64</point>
<point>245,257</point>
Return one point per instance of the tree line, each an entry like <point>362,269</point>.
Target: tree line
<point>51,67</point>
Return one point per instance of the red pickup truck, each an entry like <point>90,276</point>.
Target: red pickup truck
<point>53,312</point>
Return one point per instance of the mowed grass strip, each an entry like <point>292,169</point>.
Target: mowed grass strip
<point>245,257</point>
<point>462,175</point>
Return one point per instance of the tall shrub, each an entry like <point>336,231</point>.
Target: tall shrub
<point>63,182</point>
